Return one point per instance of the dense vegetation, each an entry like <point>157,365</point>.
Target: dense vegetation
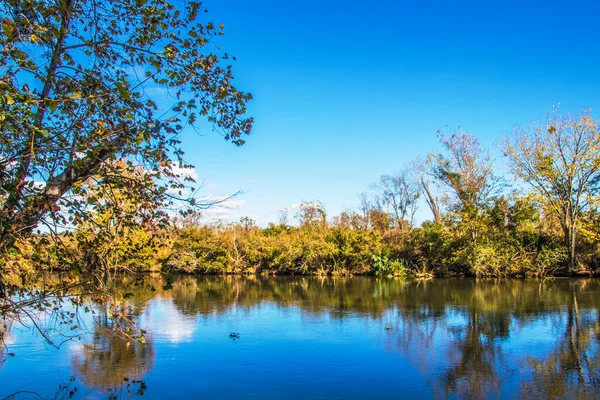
<point>91,167</point>
<point>481,226</point>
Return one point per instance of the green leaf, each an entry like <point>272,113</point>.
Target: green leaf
<point>9,28</point>
<point>123,91</point>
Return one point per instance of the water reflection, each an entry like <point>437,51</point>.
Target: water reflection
<point>572,369</point>
<point>466,338</point>
<point>110,362</point>
<point>5,341</point>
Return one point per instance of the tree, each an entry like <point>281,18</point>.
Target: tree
<point>380,220</point>
<point>311,214</point>
<point>365,207</point>
<point>108,359</point>
<point>123,226</point>
<point>399,193</point>
<point>74,95</point>
<point>560,160</point>
<point>423,174</point>
<point>466,169</point>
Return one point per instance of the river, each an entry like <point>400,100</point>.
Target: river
<point>238,337</point>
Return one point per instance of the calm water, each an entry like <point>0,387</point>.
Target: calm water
<point>313,338</point>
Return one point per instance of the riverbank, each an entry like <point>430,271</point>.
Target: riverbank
<point>432,250</point>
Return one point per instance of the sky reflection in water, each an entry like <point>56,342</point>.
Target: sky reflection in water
<point>313,338</point>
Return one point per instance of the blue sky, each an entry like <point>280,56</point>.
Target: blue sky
<point>347,91</point>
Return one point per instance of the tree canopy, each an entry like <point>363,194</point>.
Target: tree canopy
<point>560,160</point>
<point>76,92</point>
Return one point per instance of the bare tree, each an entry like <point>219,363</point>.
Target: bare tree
<point>284,216</point>
<point>399,194</point>
<point>423,176</point>
<point>366,205</point>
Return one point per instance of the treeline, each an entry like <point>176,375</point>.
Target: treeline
<point>540,220</point>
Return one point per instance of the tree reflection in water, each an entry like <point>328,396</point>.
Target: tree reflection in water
<point>454,331</point>
<point>491,312</point>
<point>476,363</point>
<point>5,353</point>
<point>572,369</point>
<point>476,316</point>
<point>113,363</point>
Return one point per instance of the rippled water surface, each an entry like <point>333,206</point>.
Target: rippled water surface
<point>324,338</point>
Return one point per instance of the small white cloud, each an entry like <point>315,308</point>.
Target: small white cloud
<point>235,203</point>
<point>136,71</point>
<point>8,165</point>
<point>34,186</point>
<point>156,91</point>
<point>304,206</point>
<point>216,212</point>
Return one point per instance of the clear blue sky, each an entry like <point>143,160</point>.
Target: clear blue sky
<point>347,91</point>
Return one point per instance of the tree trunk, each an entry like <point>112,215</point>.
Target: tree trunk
<point>570,239</point>
<point>27,218</point>
<point>572,254</point>
<point>12,229</point>
<point>31,147</point>
<point>432,203</point>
